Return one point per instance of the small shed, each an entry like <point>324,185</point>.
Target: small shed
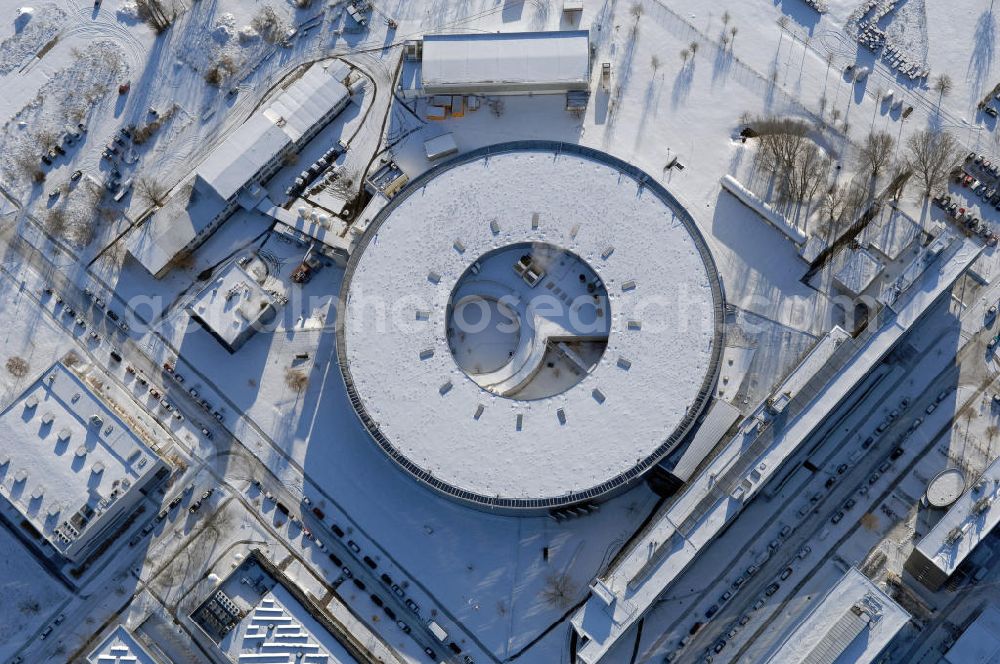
<point>440,146</point>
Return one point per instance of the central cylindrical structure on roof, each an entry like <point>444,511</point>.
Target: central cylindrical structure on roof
<point>530,326</point>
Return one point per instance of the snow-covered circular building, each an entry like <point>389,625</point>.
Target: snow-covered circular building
<point>530,326</point>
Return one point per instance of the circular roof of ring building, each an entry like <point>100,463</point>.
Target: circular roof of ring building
<point>530,327</point>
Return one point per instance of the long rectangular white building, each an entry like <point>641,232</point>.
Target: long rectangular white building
<point>717,495</point>
<point>230,176</point>
<point>506,63</point>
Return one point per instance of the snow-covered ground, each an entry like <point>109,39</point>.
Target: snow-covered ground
<point>505,580</point>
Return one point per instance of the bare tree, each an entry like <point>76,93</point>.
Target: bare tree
<point>780,143</point>
<point>943,84</point>
<point>55,222</point>
<point>636,10</point>
<point>876,152</point>
<point>809,174</point>
<point>654,62</point>
<point>220,71</point>
<point>151,191</point>
<point>155,14</point>
<point>17,366</point>
<point>932,154</point>
<point>558,591</point>
<point>684,55</point>
<point>693,47</point>
<point>841,205</point>
<point>725,18</point>
<point>269,25</point>
<point>296,380</point>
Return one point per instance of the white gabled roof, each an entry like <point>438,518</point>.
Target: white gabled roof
<point>528,59</point>
<point>242,155</point>
<point>173,227</point>
<point>310,98</point>
<point>261,138</point>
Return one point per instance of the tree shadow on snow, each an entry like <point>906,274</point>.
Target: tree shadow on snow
<point>984,45</point>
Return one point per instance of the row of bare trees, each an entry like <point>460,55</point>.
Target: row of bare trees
<point>800,168</point>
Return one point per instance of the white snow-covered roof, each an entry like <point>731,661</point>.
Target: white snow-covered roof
<point>279,630</point>
<point>858,272</point>
<point>523,61</point>
<point>649,379</point>
<point>173,227</point>
<point>68,450</point>
<point>980,642</point>
<point>259,140</point>
<point>308,99</point>
<point>853,622</point>
<point>242,155</point>
<point>970,519</point>
<point>232,303</point>
<point>120,647</point>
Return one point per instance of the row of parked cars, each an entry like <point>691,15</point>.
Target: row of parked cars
<point>346,574</point>
<point>726,596</point>
<point>965,217</point>
<point>850,503</point>
<point>314,169</point>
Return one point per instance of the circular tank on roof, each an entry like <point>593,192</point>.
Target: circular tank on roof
<point>945,488</point>
<point>530,326</point>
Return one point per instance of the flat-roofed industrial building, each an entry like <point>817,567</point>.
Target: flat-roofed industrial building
<point>69,466</point>
<point>498,63</point>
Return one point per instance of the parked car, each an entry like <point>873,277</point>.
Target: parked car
<point>771,589</point>
<point>785,573</point>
